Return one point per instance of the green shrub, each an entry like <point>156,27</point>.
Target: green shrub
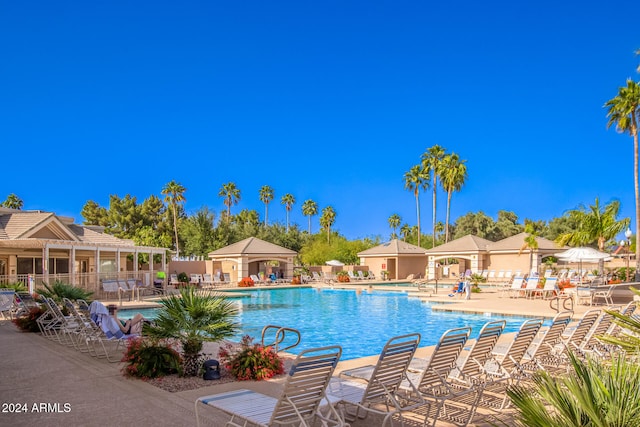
<point>146,358</point>
<point>250,361</point>
<point>60,290</point>
<point>183,278</point>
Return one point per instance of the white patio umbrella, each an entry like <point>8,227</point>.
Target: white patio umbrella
<point>582,254</point>
<point>334,263</point>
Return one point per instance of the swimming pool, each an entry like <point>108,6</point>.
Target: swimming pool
<point>360,321</point>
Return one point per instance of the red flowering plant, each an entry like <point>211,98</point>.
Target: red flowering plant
<point>246,282</point>
<point>250,361</point>
<point>27,321</point>
<point>146,358</point>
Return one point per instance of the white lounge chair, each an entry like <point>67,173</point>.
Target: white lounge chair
<point>6,303</point>
<point>207,281</point>
<point>434,384</point>
<point>299,402</point>
<point>379,395</point>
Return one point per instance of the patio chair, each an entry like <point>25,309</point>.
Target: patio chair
<point>539,353</point>
<point>378,392</point>
<point>470,369</point>
<point>6,303</point>
<point>505,369</point>
<point>23,302</point>
<point>173,280</point>
<point>592,344</point>
<point>605,293</point>
<point>550,288</point>
<point>531,289</point>
<point>447,399</point>
<point>195,279</point>
<point>371,275</point>
<point>111,332</point>
<point>207,281</point>
<point>353,276</point>
<point>299,402</point>
<point>515,289</point>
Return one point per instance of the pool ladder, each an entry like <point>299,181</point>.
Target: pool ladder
<point>280,335</point>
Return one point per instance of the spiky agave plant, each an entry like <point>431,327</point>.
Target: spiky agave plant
<point>595,392</point>
<point>193,317</point>
<point>60,290</point>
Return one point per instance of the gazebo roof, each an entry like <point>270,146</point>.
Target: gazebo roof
<point>251,246</point>
<point>516,242</point>
<point>468,243</point>
<point>393,248</point>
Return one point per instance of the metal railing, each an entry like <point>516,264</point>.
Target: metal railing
<point>280,336</point>
<point>90,282</point>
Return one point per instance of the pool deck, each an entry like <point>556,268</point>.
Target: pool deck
<point>36,370</point>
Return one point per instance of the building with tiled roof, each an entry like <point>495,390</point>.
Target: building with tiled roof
<point>38,246</point>
<point>254,256</point>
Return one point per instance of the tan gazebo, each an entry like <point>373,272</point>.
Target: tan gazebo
<point>399,258</point>
<point>253,256</point>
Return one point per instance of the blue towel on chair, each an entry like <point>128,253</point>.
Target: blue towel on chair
<point>100,315</point>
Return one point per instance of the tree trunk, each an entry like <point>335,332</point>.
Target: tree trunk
<point>446,221</point>
<point>637,190</point>
<point>435,187</point>
<point>418,213</point>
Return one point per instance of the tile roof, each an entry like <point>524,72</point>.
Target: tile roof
<point>393,247</point>
<point>252,246</point>
<point>516,242</point>
<point>468,243</point>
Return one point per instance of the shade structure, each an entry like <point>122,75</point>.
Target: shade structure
<point>335,263</point>
<point>583,254</point>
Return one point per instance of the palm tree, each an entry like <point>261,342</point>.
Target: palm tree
<point>174,195</point>
<point>266,196</point>
<point>624,113</point>
<point>394,223</point>
<point>405,230</point>
<point>530,241</point>
<point>13,202</point>
<point>327,219</point>
<point>288,201</point>
<point>309,208</point>
<point>193,317</point>
<point>595,224</point>
<point>417,178</point>
<point>432,163</point>
<point>454,174</point>
<point>231,195</point>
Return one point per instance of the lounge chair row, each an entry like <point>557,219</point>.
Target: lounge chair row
<point>202,280</point>
<point>449,385</point>
<point>88,328</point>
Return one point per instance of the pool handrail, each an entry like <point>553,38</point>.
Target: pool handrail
<point>280,336</point>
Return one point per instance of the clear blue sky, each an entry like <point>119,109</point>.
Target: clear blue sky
<point>328,100</point>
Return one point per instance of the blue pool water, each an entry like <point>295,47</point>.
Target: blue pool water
<point>361,322</point>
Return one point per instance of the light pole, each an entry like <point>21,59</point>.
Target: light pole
<point>627,234</point>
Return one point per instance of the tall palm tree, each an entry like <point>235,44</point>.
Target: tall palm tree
<point>454,174</point>
<point>309,209</point>
<point>266,196</point>
<point>174,195</point>
<point>417,178</point>
<point>624,113</point>
<point>432,163</point>
<point>327,219</point>
<point>13,202</point>
<point>231,195</point>
<point>595,224</point>
<point>288,201</point>
<point>394,223</point>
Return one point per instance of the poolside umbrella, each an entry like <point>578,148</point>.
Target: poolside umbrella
<point>582,254</point>
<point>334,263</point>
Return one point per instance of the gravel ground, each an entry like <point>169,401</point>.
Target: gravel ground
<point>175,383</point>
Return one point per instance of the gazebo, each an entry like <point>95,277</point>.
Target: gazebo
<point>397,257</point>
<point>253,256</point>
